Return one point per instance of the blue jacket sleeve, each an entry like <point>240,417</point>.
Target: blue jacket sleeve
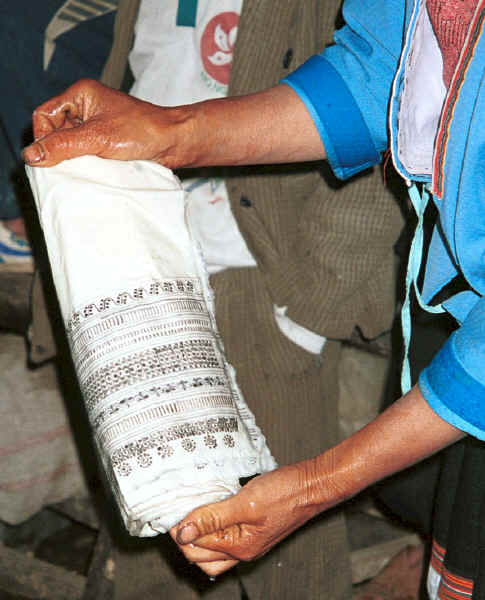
<point>346,89</point>
<point>454,383</point>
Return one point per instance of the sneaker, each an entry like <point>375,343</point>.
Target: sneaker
<point>15,252</point>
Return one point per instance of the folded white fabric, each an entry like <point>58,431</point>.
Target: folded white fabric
<point>171,426</point>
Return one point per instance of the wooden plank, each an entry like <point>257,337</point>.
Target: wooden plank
<point>29,577</point>
<point>368,562</point>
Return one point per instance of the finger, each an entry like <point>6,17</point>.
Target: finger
<point>213,569</point>
<point>209,519</point>
<point>235,541</point>
<point>74,104</point>
<point>57,113</point>
<point>195,554</point>
<point>62,145</point>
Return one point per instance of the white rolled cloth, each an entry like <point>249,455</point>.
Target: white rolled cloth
<point>171,426</point>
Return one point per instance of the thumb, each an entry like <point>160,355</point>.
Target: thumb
<point>209,519</point>
<point>62,145</point>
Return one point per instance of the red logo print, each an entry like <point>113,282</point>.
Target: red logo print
<point>217,45</point>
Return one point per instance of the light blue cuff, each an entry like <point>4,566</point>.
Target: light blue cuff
<point>345,135</point>
<point>453,393</point>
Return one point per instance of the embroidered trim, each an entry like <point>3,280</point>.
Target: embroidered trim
<point>456,83</point>
<point>167,388</point>
<point>451,586</point>
<point>147,365</point>
<point>437,556</point>
<point>176,286</point>
<point>111,434</point>
<point>160,441</point>
<point>454,587</point>
<point>158,331</point>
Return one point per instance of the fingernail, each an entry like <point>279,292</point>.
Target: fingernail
<point>33,154</point>
<point>188,533</point>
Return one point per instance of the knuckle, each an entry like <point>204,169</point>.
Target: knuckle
<point>86,86</point>
<point>240,545</point>
<point>250,546</point>
<point>86,83</point>
<point>210,521</point>
<point>38,113</point>
<point>236,534</point>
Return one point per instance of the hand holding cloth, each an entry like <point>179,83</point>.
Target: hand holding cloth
<point>171,426</point>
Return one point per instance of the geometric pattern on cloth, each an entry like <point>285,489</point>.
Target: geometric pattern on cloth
<point>450,20</point>
<point>172,429</point>
<point>442,583</point>
<point>145,360</point>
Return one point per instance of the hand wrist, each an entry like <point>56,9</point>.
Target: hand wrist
<point>176,134</point>
<point>324,483</point>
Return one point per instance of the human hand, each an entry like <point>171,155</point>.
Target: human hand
<point>271,126</point>
<point>212,563</point>
<point>247,525</point>
<point>273,505</point>
<point>91,118</point>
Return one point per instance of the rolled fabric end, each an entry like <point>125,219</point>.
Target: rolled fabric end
<point>169,421</point>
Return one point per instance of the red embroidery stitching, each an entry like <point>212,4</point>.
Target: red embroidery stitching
<point>450,20</point>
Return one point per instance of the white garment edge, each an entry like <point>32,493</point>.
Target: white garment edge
<point>433,583</point>
<point>422,99</point>
<point>310,341</point>
<point>114,226</point>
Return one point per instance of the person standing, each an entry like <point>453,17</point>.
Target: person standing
<point>323,256</point>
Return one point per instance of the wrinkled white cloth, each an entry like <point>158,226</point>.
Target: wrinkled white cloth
<point>171,426</point>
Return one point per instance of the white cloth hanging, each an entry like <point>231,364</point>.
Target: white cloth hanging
<point>172,429</point>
